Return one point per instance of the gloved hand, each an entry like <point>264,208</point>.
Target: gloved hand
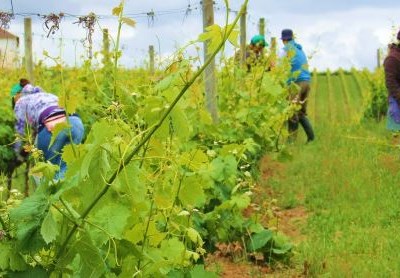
<point>23,153</point>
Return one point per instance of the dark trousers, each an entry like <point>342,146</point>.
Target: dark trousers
<point>301,115</point>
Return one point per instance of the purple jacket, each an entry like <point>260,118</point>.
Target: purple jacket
<point>28,110</point>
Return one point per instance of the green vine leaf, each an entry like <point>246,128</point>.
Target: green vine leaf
<point>49,229</point>
<point>194,236</point>
<point>214,35</point>
<point>129,21</point>
<point>69,103</point>
<point>234,36</point>
<point>199,272</point>
<point>44,169</point>
<point>192,192</point>
<point>259,240</point>
<point>117,10</point>
<point>111,220</point>
<point>223,168</point>
<point>27,218</point>
<point>91,261</point>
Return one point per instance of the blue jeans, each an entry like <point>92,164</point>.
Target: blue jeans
<point>53,153</point>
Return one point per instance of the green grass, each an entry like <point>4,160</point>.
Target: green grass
<point>320,94</point>
<point>343,110</point>
<point>349,180</point>
<point>338,101</point>
<point>355,92</point>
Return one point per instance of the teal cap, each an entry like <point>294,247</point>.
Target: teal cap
<point>258,40</point>
<point>15,89</point>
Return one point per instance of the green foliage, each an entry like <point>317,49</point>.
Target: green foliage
<point>49,229</point>
<point>171,197</point>
<point>28,218</point>
<point>29,272</point>
<point>259,240</point>
<point>197,272</point>
<point>151,207</point>
<point>10,257</point>
<point>214,35</point>
<point>376,105</point>
<point>112,220</point>
<point>7,155</point>
<point>254,106</point>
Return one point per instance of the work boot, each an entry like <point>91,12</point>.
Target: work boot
<point>293,126</point>
<point>305,123</point>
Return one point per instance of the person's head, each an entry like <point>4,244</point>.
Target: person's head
<point>257,43</point>
<point>16,89</point>
<point>286,35</point>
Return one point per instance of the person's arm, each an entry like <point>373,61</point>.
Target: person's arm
<point>20,124</point>
<point>392,77</point>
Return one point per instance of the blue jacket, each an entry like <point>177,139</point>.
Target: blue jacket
<point>298,61</point>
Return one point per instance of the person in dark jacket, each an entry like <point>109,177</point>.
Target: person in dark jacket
<point>392,79</point>
<point>300,75</point>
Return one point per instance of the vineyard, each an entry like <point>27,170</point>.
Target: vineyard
<point>161,184</point>
<point>349,97</point>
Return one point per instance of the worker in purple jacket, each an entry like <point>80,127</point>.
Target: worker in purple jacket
<point>39,111</point>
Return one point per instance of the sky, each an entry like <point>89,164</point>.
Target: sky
<point>334,34</point>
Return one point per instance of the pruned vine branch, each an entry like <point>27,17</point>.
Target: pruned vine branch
<point>52,22</point>
<point>5,19</point>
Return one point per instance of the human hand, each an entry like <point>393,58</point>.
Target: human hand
<point>23,153</point>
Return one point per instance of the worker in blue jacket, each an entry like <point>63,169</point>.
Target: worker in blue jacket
<point>300,75</point>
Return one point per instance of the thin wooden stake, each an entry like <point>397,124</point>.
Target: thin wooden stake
<point>151,59</point>
<point>28,48</point>
<point>261,26</point>
<point>209,73</point>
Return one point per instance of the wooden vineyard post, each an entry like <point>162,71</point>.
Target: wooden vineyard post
<point>273,54</point>
<point>243,38</point>
<point>151,59</point>
<point>261,26</point>
<point>209,73</point>
<point>28,48</point>
<point>273,44</point>
<point>106,47</point>
<point>378,58</point>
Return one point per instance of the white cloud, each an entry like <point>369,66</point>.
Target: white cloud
<point>338,33</point>
<point>340,38</point>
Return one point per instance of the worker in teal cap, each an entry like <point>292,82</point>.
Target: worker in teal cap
<point>40,112</point>
<point>257,44</point>
<point>17,88</point>
<point>254,51</point>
